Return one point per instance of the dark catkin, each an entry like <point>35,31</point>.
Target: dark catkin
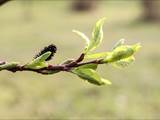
<point>52,48</point>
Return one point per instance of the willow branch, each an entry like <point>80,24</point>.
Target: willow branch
<point>51,68</point>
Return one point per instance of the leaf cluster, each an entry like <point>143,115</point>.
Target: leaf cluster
<point>120,56</point>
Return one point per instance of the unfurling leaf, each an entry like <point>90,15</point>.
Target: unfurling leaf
<point>39,62</point>
<point>136,47</point>
<point>97,36</point>
<point>91,76</point>
<point>119,43</point>
<point>122,52</point>
<point>124,62</point>
<point>83,37</point>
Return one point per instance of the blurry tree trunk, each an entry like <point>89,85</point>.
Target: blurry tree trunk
<point>151,10</point>
<point>84,5</point>
<point>3,1</point>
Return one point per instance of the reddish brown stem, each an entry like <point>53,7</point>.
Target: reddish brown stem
<point>59,68</point>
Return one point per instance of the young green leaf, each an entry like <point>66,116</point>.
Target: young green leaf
<point>97,36</point>
<point>122,52</point>
<point>124,62</point>
<point>42,58</point>
<point>83,36</point>
<point>104,54</point>
<point>39,62</point>
<point>136,47</point>
<point>119,43</point>
<point>36,66</point>
<point>91,76</point>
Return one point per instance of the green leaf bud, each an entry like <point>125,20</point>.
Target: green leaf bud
<point>91,76</point>
<point>122,52</point>
<point>39,62</point>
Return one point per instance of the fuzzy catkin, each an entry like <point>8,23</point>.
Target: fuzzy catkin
<point>52,48</point>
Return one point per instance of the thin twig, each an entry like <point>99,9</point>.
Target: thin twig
<point>52,68</point>
<point>75,62</point>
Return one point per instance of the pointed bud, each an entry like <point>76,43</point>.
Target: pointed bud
<point>122,52</point>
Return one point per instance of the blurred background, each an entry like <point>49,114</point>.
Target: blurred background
<point>28,25</point>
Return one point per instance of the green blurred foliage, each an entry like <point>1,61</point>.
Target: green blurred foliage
<point>134,92</point>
